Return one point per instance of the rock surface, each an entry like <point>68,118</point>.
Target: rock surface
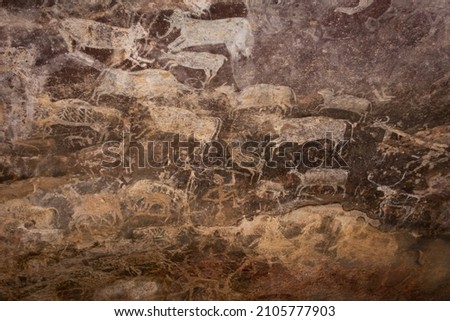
<point>321,161</point>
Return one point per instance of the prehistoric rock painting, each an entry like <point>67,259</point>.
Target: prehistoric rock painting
<point>224,149</point>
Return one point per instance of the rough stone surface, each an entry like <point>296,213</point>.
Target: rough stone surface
<point>84,85</point>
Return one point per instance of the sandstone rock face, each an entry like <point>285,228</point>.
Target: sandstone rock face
<point>224,150</point>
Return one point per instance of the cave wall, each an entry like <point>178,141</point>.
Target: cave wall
<point>322,163</point>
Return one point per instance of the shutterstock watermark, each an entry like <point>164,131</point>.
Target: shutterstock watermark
<point>178,151</point>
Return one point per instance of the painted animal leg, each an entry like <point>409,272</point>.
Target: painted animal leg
<point>96,95</point>
<point>68,40</point>
<point>362,119</point>
<point>299,190</point>
<point>176,45</point>
<point>280,207</point>
<point>208,77</point>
